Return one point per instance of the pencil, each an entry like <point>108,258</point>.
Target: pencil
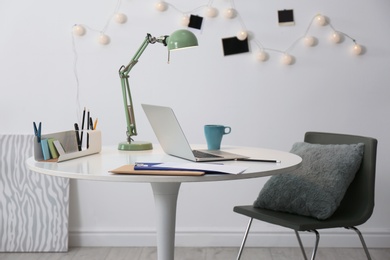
<point>95,124</point>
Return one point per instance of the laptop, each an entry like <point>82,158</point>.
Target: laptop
<point>173,140</point>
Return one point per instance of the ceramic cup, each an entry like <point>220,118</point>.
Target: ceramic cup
<point>214,134</point>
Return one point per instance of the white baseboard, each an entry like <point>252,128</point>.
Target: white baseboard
<point>202,238</point>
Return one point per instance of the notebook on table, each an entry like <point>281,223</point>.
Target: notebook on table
<point>173,140</point>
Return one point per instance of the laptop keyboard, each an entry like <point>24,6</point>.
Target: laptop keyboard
<point>200,154</point>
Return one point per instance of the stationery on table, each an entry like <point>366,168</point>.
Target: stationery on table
<point>78,138</point>
<point>86,121</point>
<point>42,142</point>
<point>51,146</point>
<point>172,168</point>
<point>258,160</point>
<point>129,169</point>
<point>65,147</point>
<point>38,131</point>
<point>59,147</point>
<point>82,128</point>
<point>45,149</point>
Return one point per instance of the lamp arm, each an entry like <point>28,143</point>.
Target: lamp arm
<point>124,76</point>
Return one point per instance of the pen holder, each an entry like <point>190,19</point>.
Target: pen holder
<point>68,145</point>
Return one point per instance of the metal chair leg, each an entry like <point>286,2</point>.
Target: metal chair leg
<point>301,245</point>
<point>361,240</point>
<point>313,255</point>
<point>244,239</point>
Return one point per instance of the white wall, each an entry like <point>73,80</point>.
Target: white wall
<point>266,104</point>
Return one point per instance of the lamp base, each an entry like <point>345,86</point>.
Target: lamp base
<point>135,146</point>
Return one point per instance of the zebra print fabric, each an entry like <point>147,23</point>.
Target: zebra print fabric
<point>33,207</point>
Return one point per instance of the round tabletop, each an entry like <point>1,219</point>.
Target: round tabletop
<point>98,166</point>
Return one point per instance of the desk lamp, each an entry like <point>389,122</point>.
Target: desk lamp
<point>177,40</point>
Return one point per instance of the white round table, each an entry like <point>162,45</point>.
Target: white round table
<point>165,188</point>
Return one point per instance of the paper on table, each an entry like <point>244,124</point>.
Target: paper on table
<point>207,167</point>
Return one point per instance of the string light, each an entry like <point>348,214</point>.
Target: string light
<point>287,59</point>
<point>309,41</point>
<point>79,30</point>
<point>262,56</point>
<point>211,12</point>
<point>356,49</point>
<point>120,18</point>
<point>230,13</point>
<point>104,39</point>
<point>336,37</point>
<point>161,6</point>
<point>185,20</point>
<point>321,20</point>
<point>242,35</point>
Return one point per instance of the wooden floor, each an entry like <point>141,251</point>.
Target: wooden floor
<point>214,253</point>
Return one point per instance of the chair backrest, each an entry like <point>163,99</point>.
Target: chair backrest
<point>358,202</point>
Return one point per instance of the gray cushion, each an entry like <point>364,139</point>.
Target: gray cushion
<point>318,186</point>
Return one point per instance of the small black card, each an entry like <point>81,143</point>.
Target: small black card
<point>286,17</point>
<point>195,22</point>
<point>234,46</point>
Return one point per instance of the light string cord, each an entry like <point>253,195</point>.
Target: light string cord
<point>303,36</point>
<point>210,3</point>
<point>105,27</point>
<point>75,59</point>
<point>241,21</point>
<point>183,12</point>
<point>76,76</point>
<point>346,35</point>
<point>117,7</point>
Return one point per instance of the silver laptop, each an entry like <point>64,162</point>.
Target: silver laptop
<point>173,141</point>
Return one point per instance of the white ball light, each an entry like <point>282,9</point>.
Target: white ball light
<point>242,35</point>
<point>262,56</point>
<point>211,12</point>
<point>309,41</point>
<point>321,20</point>
<point>79,30</point>
<point>230,13</point>
<point>335,37</point>
<point>185,20</point>
<point>287,59</point>
<point>103,39</point>
<point>161,6</point>
<point>357,49</point>
<point>120,18</point>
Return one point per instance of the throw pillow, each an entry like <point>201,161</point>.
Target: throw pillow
<point>318,186</point>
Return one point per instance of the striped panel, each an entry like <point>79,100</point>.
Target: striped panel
<point>34,208</point>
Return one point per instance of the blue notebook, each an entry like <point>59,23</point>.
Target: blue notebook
<point>45,149</point>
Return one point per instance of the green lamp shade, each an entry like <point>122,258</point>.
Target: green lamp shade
<point>181,39</point>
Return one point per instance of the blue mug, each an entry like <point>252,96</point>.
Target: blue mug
<point>214,134</point>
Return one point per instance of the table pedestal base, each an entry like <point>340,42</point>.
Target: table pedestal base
<point>165,197</point>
